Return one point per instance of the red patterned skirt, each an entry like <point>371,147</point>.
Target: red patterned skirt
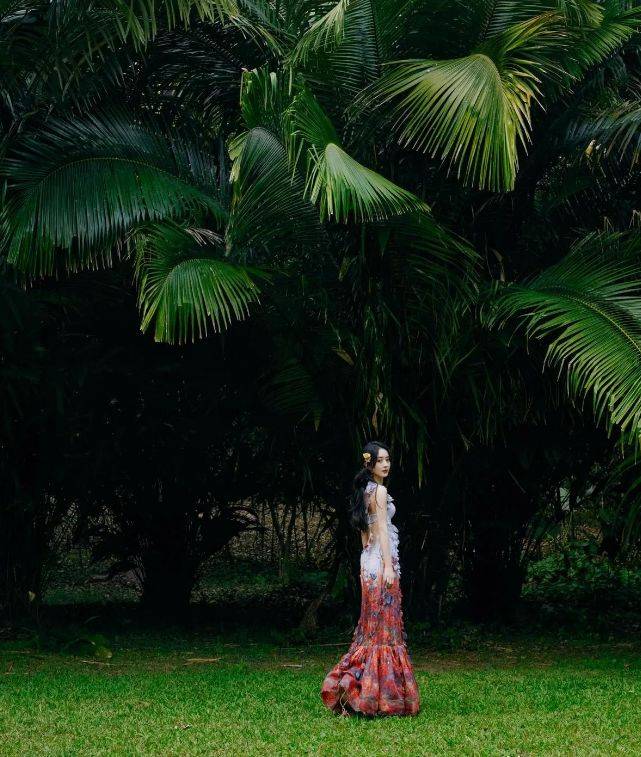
<point>375,676</point>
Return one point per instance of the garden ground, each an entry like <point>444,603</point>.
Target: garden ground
<point>205,693</point>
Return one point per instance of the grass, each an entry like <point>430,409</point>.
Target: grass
<point>502,696</point>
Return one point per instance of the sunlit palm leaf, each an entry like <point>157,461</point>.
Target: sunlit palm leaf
<point>346,188</point>
<point>341,185</point>
<point>185,286</point>
<point>587,308</point>
<point>474,111</point>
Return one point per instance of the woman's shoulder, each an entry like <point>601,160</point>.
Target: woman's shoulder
<point>381,489</point>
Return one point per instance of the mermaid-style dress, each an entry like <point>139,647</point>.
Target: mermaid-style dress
<point>375,676</point>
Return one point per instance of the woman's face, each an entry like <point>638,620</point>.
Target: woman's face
<point>382,465</point>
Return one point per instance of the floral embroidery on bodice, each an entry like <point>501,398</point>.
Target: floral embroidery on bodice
<point>372,555</point>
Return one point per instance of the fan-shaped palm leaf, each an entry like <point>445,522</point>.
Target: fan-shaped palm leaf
<point>268,202</point>
<point>184,284</point>
<point>84,182</point>
<point>475,110</point>
<point>344,47</point>
<point>341,185</point>
<point>588,308</point>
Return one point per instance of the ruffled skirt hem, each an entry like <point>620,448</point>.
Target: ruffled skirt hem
<point>373,679</point>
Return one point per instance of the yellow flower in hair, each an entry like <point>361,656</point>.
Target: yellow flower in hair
<point>367,456</point>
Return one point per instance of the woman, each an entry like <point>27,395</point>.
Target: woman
<point>375,676</point>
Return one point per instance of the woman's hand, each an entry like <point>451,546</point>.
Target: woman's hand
<point>389,576</point>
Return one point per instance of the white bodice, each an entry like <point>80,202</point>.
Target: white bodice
<point>372,555</point>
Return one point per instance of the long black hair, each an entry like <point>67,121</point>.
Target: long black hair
<point>356,505</point>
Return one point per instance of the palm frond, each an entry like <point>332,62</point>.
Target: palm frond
<point>267,24</point>
<point>265,96</point>
<point>196,73</point>
<point>615,128</point>
<point>344,48</point>
<point>474,111</point>
<point>138,19</point>
<point>86,181</point>
<point>185,285</point>
<point>587,308</point>
<point>342,186</point>
<point>500,15</point>
<point>613,24</point>
<point>268,203</point>
<point>325,33</point>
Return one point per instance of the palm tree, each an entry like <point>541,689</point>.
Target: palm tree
<point>450,165</point>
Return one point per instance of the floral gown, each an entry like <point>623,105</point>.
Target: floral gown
<point>375,676</point>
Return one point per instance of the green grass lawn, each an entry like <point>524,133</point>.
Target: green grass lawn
<point>515,697</point>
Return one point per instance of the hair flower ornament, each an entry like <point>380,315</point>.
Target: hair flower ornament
<point>367,456</point>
